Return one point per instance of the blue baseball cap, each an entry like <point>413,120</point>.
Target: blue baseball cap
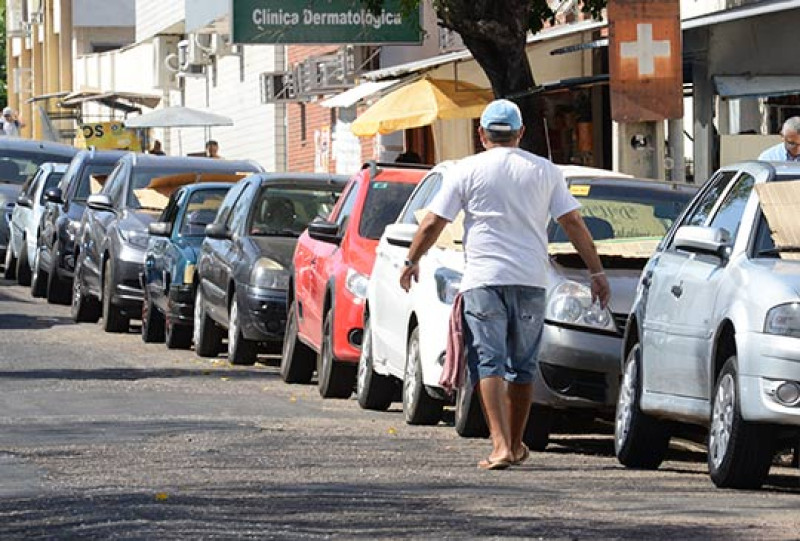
<point>501,115</point>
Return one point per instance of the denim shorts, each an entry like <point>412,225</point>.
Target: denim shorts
<point>502,331</point>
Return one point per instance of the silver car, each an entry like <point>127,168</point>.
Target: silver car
<point>714,336</point>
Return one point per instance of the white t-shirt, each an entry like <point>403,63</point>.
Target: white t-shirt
<point>10,128</point>
<point>508,196</point>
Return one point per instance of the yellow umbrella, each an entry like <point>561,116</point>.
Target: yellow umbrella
<point>420,104</point>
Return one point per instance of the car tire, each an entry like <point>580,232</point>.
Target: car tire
<point>207,335</point>
<point>113,318</point>
<point>177,336</point>
<point>152,321</point>
<point>373,391</point>
<point>241,351</point>
<point>38,277</point>
<point>335,379</point>
<point>59,290</point>
<point>84,307</point>
<point>297,359</point>
<point>23,266</point>
<point>640,441</point>
<point>10,265</point>
<point>469,419</point>
<point>419,408</point>
<point>739,453</point>
<point>537,431</point>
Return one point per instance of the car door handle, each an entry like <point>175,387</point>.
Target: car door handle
<point>677,290</point>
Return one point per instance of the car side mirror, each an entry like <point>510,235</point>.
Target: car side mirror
<point>699,239</point>
<point>100,202</point>
<point>400,234</point>
<point>24,201</point>
<point>218,231</point>
<point>160,229</point>
<point>54,195</point>
<point>324,231</point>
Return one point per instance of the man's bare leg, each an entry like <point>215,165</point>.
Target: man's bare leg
<point>495,409</point>
<point>519,396</point>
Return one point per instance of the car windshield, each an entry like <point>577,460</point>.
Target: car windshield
<point>93,177</point>
<point>150,188</point>
<point>200,211</point>
<point>287,211</point>
<point>16,166</point>
<point>784,230</point>
<point>625,211</point>
<point>384,202</point>
<point>52,181</point>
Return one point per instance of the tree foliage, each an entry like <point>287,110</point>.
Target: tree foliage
<point>495,32</point>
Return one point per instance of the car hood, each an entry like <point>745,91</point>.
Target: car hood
<point>137,220</point>
<point>280,249</point>
<point>778,280</point>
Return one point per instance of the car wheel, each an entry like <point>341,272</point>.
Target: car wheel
<point>537,431</point>
<point>177,336</point>
<point>58,289</point>
<point>240,350</point>
<point>739,453</point>
<point>10,265</point>
<point>336,379</point>
<point>85,308</point>
<point>374,391</point>
<point>297,359</point>
<point>23,266</point>
<point>419,407</point>
<point>113,318</point>
<point>38,277</point>
<point>207,335</point>
<point>640,441</point>
<point>470,422</point>
<point>152,321</point>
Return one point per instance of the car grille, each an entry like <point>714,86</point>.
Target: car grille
<point>574,382</point>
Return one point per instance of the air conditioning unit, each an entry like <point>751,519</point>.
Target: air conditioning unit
<point>199,49</point>
<point>221,45</point>
<point>278,87</point>
<point>165,49</point>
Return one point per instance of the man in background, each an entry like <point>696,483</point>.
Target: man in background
<point>11,123</point>
<point>789,149</point>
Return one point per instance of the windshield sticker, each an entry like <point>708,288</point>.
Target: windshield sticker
<point>380,185</point>
<point>579,190</point>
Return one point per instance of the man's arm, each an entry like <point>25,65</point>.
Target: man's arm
<point>579,236</point>
<point>429,230</point>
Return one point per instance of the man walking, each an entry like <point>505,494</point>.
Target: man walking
<point>507,195</point>
<point>789,149</point>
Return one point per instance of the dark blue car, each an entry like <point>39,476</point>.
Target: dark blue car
<point>168,280</point>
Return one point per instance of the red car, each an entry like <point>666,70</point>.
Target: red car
<point>332,264</point>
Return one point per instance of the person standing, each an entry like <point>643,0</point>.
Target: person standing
<point>212,149</point>
<point>156,148</point>
<point>507,195</point>
<point>11,123</point>
<point>789,149</point>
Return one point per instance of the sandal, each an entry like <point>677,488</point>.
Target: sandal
<point>526,453</point>
<point>499,464</point>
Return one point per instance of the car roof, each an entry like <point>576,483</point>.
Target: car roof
<point>94,155</point>
<point>192,162</point>
<point>30,145</point>
<point>303,178</point>
<point>200,186</point>
<point>631,182</point>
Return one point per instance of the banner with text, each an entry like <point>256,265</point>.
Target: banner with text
<point>328,21</point>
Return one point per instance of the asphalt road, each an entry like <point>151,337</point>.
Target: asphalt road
<point>102,436</point>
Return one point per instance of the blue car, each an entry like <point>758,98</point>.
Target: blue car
<point>168,279</point>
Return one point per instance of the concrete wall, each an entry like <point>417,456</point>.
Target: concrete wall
<point>103,13</point>
<point>159,16</point>
<point>85,37</point>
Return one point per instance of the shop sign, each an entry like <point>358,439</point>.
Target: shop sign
<point>108,136</point>
<point>328,21</point>
<point>645,60</point>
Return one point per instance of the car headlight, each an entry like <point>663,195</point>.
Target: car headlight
<point>784,320</point>
<point>356,283</point>
<point>448,282</point>
<point>571,303</point>
<point>136,238</point>
<point>269,274</point>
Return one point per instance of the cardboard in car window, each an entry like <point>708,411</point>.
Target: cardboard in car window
<point>780,202</point>
<point>452,234</point>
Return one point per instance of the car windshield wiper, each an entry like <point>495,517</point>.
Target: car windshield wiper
<point>154,209</point>
<point>275,233</point>
<point>774,251</point>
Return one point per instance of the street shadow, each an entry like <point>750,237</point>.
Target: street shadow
<point>133,374</point>
<point>22,322</point>
<point>5,297</point>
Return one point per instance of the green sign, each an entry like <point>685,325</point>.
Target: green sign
<point>322,21</point>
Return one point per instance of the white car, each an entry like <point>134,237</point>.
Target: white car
<point>714,336</point>
<point>406,333</point>
<point>26,217</point>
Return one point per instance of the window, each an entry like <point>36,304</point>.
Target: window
<point>200,211</point>
<point>699,214</point>
<point>347,206</point>
<point>228,202</point>
<point>384,202</point>
<point>238,217</point>
<point>114,186</point>
<point>93,178</point>
<point>729,215</point>
<point>170,213</point>
<point>18,166</point>
<point>29,186</point>
<point>421,198</point>
<point>51,182</point>
<point>287,210</point>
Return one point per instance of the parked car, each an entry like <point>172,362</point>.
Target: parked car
<point>61,220</point>
<point>19,160</point>
<point>168,279</point>
<point>113,233</point>
<point>243,265</point>
<point>714,334</point>
<point>578,364</point>
<point>332,265</point>
<point>25,220</point>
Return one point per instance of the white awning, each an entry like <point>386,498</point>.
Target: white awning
<point>741,12</point>
<point>737,86</point>
<point>350,97</point>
